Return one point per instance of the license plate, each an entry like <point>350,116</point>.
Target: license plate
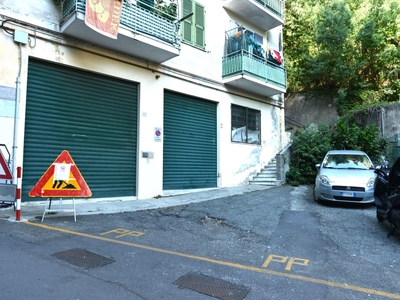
<point>347,194</point>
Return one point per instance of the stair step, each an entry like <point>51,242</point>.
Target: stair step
<point>267,171</point>
<point>268,183</point>
<point>269,167</point>
<point>264,177</point>
<point>267,175</point>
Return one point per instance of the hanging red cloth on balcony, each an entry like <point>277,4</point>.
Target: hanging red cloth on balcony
<point>277,56</point>
<point>103,16</point>
<point>274,56</point>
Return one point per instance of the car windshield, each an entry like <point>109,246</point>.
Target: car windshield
<point>347,161</point>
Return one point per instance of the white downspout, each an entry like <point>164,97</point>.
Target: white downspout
<point>16,116</point>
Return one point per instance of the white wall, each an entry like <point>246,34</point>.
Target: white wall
<point>7,112</point>
<point>36,12</point>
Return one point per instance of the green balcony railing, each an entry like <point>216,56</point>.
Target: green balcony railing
<point>243,62</point>
<point>138,18</point>
<point>244,55</point>
<point>276,6</point>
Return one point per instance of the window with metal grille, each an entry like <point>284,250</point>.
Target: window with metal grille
<point>246,125</point>
<point>193,27</point>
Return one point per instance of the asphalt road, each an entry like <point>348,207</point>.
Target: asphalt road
<point>270,244</point>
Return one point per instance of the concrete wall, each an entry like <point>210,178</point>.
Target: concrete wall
<point>386,119</point>
<point>282,163</point>
<point>302,109</point>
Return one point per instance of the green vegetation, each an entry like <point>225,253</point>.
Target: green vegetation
<point>346,47</point>
<point>167,9</point>
<point>310,146</point>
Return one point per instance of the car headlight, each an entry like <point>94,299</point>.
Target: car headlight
<point>371,182</point>
<point>324,180</point>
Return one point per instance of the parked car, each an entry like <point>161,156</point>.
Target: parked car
<point>345,176</point>
<point>387,195</point>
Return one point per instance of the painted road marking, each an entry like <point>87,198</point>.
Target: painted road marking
<point>224,263</point>
<point>283,259</point>
<point>123,232</point>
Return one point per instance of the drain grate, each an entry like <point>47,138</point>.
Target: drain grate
<point>212,286</point>
<point>83,258</point>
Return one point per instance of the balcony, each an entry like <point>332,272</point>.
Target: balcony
<point>247,66</point>
<point>265,14</point>
<point>144,31</point>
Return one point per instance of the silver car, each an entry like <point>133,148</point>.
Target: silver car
<point>345,176</point>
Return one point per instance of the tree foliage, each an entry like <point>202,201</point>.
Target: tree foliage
<point>309,147</point>
<point>348,46</point>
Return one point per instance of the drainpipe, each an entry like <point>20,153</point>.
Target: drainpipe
<point>16,115</point>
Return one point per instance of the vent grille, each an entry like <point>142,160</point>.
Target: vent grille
<point>83,258</point>
<point>212,286</point>
<point>348,188</point>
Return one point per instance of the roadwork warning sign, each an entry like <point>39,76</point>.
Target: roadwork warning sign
<point>62,179</point>
<point>5,172</point>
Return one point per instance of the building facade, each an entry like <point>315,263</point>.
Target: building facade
<point>189,95</point>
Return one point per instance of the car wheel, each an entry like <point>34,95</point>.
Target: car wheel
<point>315,195</point>
<point>379,217</point>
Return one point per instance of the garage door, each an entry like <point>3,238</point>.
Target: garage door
<point>92,116</point>
<point>190,142</point>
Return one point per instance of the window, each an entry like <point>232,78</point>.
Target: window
<point>246,125</point>
<point>258,38</point>
<point>193,27</point>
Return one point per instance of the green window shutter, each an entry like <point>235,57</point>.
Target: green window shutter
<point>199,24</point>
<point>193,27</point>
<point>187,23</point>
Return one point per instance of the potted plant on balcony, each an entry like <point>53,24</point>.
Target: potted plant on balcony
<point>167,9</point>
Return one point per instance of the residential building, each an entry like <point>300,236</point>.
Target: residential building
<point>189,95</point>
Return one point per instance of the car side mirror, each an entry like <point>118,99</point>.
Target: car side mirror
<point>317,166</point>
<point>386,164</point>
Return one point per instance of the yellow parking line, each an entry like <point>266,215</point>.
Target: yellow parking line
<point>224,263</point>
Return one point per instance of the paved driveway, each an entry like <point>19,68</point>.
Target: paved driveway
<point>269,244</point>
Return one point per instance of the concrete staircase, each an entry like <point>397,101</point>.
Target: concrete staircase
<point>267,175</point>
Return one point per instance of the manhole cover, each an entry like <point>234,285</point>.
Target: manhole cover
<point>83,258</point>
<point>212,286</point>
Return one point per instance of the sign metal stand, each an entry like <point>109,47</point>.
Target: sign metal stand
<point>60,208</point>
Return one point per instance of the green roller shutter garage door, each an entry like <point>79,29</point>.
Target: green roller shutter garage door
<point>190,142</point>
<point>92,116</point>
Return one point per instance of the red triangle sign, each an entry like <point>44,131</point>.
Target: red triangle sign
<point>62,179</point>
<point>5,172</point>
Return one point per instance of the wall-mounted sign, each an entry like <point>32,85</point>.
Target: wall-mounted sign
<point>5,172</point>
<point>157,134</point>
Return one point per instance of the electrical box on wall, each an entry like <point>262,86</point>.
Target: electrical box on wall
<point>20,37</point>
<point>147,154</point>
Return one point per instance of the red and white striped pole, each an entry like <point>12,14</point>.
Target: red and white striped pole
<point>18,209</point>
